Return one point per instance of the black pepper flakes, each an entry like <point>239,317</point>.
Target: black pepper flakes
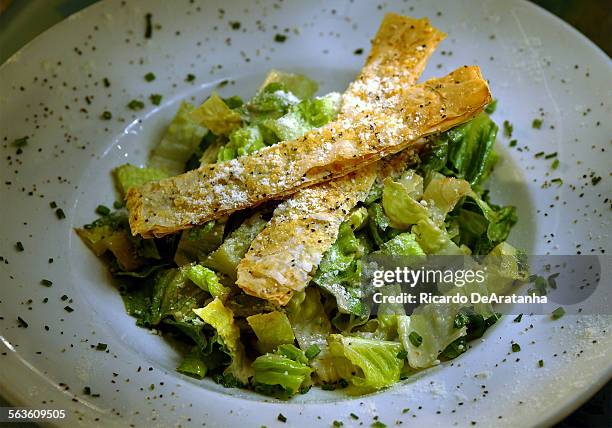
<point>46,282</point>
<point>59,213</point>
<point>22,323</point>
<point>19,246</point>
<point>280,38</point>
<point>101,346</point>
<point>281,418</point>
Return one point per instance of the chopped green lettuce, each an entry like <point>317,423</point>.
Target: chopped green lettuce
<point>308,114</point>
<point>374,363</point>
<point>198,242</point>
<point>272,329</point>
<point>308,318</point>
<point>400,207</point>
<point>111,233</point>
<point>299,85</point>
<point>216,115</point>
<point>193,364</point>
<point>404,244</point>
<point>207,280</point>
<point>339,272</point>
<point>180,140</point>
<point>225,259</point>
<point>434,325</point>
<point>127,176</point>
<point>281,374</point>
<point>242,141</point>
<point>222,320</point>
<point>464,151</point>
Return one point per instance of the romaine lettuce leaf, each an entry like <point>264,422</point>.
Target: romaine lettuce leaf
<point>374,362</point>
<point>272,329</point>
<point>225,259</point>
<point>281,374</point>
<point>216,115</point>
<point>180,140</point>
<point>242,141</point>
<point>428,331</point>
<point>198,242</point>
<point>207,280</point>
<point>111,233</point>
<point>299,85</point>
<point>339,272</point>
<point>127,176</point>
<point>404,244</point>
<point>308,114</point>
<point>400,207</point>
<point>464,151</point>
<point>193,364</point>
<point>308,318</point>
<point>222,320</point>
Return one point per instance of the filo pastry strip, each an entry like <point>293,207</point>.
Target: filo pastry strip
<point>285,255</point>
<point>336,149</point>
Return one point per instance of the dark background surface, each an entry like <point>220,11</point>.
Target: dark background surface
<point>22,20</point>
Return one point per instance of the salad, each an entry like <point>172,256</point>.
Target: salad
<point>265,290</point>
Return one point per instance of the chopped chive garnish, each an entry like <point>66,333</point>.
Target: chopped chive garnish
<point>21,142</point>
<point>557,313</point>
<point>336,424</point>
<point>536,124</point>
<point>117,205</point>
<point>551,155</point>
<point>354,416</point>
<point>102,210</point>
<point>281,418</point>
<point>106,115</point>
<point>22,322</point>
<point>235,25</point>
<point>106,82</point>
<point>19,246</point>
<point>358,51</point>
<point>490,108</point>
<point>507,129</point>
<point>516,347</point>
<point>557,181</point>
<point>541,363</point>
<point>312,351</point>
<point>155,99</point>
<point>101,346</point>
<point>415,339</point>
<point>148,26</point>
<point>539,154</point>
<point>86,390</point>
<point>401,355</point>
<point>59,213</point>
<point>46,282</point>
<point>190,77</point>
<point>552,283</point>
<point>53,204</point>
<point>555,164</point>
<point>68,309</point>
<point>513,143</point>
<point>149,77</point>
<point>280,38</point>
<point>518,318</point>
<point>135,105</point>
<point>378,424</point>
<point>595,180</point>
<point>64,298</point>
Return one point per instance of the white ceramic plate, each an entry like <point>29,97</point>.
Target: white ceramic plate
<point>52,91</point>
